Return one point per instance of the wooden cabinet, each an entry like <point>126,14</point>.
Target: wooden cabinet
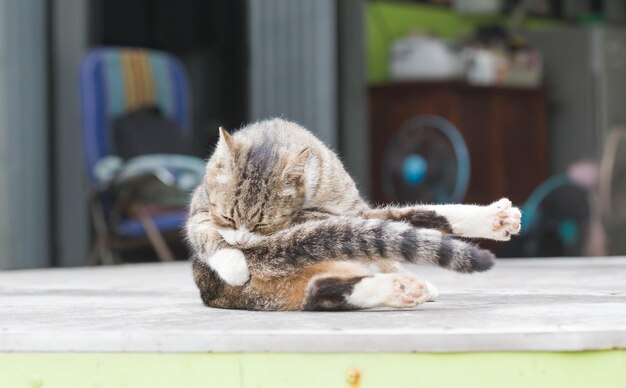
<point>505,130</point>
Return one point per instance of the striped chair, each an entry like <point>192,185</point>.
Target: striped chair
<point>114,81</point>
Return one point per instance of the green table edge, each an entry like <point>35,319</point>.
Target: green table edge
<point>605,368</point>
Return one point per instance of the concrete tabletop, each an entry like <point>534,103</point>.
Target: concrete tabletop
<point>520,305</point>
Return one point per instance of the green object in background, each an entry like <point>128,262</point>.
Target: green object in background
<point>591,19</point>
<point>276,370</point>
<point>568,231</point>
<point>388,21</point>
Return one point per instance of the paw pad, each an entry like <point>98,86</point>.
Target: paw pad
<point>506,220</point>
<point>408,292</point>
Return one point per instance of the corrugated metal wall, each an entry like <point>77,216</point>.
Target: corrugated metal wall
<point>354,133</point>
<point>71,219</point>
<point>23,135</point>
<point>293,63</point>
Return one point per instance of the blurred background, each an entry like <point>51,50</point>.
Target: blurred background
<point>108,109</point>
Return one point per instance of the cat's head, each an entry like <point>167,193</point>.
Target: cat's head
<point>254,190</point>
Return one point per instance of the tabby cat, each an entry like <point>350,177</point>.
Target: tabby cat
<point>278,224</point>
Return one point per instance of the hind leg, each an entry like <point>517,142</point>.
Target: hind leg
<point>396,289</point>
<point>332,285</point>
<point>497,221</point>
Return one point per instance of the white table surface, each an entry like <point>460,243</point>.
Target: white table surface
<point>520,305</point>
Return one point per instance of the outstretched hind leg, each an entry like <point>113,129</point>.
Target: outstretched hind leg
<point>397,290</point>
<point>498,221</point>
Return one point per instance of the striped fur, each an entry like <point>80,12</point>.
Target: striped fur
<point>347,238</point>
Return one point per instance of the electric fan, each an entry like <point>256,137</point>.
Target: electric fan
<point>555,221</point>
<point>426,161</point>
<point>612,191</point>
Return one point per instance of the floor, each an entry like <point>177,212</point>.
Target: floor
<point>547,305</point>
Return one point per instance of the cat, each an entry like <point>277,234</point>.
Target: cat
<point>278,224</point>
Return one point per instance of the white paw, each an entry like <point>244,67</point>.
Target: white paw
<point>504,220</point>
<point>399,290</point>
<point>230,264</point>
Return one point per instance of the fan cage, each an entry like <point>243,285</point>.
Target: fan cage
<point>451,133</point>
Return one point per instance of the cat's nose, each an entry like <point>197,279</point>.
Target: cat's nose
<point>243,239</point>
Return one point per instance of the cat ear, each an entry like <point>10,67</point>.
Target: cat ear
<point>227,140</point>
<point>296,165</point>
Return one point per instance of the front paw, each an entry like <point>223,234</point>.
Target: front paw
<point>230,264</point>
<point>505,220</point>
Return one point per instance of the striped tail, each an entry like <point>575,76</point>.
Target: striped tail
<point>345,238</point>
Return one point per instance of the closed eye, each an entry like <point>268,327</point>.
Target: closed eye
<point>229,220</point>
<point>259,226</point>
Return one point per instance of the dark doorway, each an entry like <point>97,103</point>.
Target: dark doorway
<point>210,37</point>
